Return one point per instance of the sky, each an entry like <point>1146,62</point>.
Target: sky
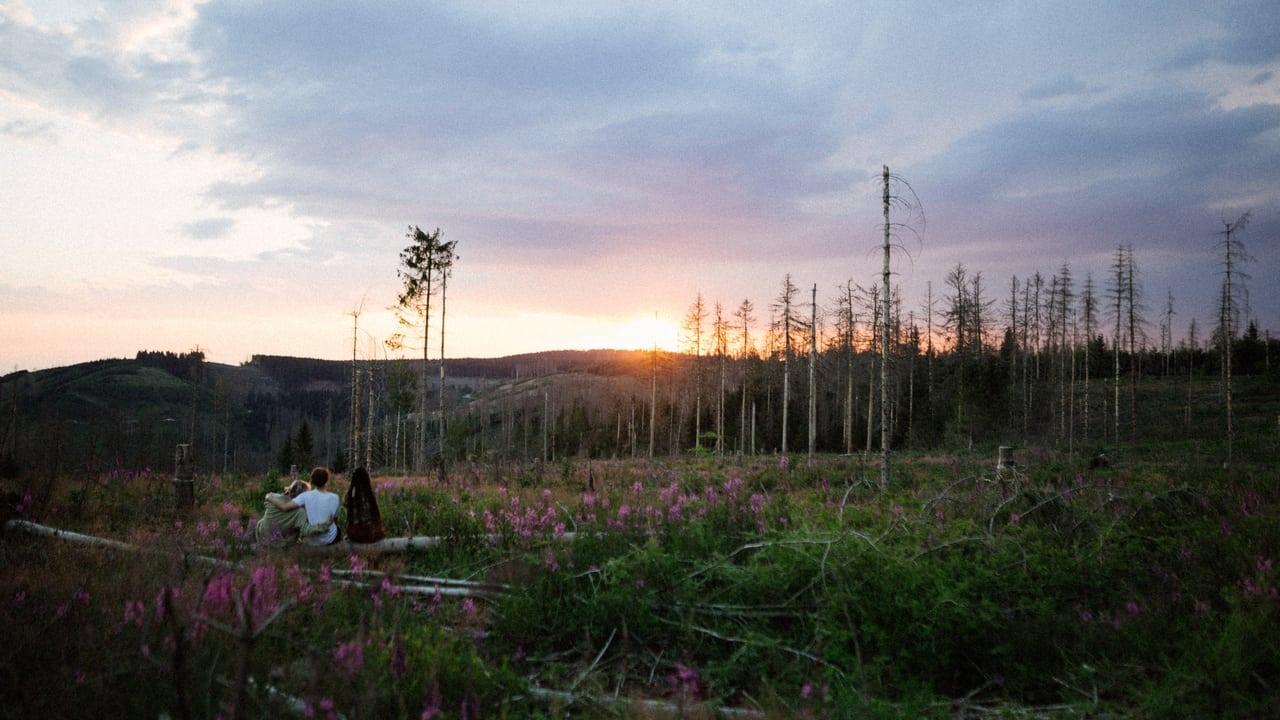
<point>240,176</point>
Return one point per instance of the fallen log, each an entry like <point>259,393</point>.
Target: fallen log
<point>665,707</point>
<point>404,544</point>
<point>445,587</point>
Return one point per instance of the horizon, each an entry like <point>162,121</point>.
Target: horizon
<point>240,177</point>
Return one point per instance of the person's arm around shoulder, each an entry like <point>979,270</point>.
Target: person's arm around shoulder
<point>283,504</point>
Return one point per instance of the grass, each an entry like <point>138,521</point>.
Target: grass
<point>798,589</point>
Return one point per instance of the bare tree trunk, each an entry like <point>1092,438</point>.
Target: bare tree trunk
<point>720,410</point>
<point>1071,424</point>
<point>884,347</point>
<point>813,362</point>
<point>786,367</point>
<point>354,422</point>
<point>871,399</point>
<point>421,453</point>
<point>848,348</point>
<point>444,298</point>
<point>653,395</point>
<point>368,431</point>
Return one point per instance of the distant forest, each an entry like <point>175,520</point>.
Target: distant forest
<point>1076,366</point>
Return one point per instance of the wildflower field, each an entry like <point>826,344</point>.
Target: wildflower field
<point>758,587</point>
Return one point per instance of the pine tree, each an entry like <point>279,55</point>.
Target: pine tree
<point>302,446</point>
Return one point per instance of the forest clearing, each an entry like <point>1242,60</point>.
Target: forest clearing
<point>463,360</point>
<point>769,586</point>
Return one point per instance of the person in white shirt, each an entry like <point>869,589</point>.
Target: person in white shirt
<point>322,507</point>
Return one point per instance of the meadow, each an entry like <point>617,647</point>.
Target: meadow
<point>769,586</point>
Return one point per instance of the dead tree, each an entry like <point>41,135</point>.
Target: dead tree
<point>906,201</point>
<point>444,266</point>
<point>786,322</point>
<point>720,330</point>
<point>813,364</point>
<point>884,343</point>
<point>1233,255</point>
<point>1089,309</point>
<point>1118,270</point>
<point>693,323</point>
<point>744,318</point>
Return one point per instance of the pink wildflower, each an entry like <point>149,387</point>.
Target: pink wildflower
<point>349,657</point>
<point>134,612</point>
<point>357,566</point>
<point>469,608</point>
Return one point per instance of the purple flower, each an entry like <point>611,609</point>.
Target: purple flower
<point>757,503</point>
<point>398,665</point>
<point>349,657</point>
<point>134,612</point>
<point>431,704</point>
<point>806,690</point>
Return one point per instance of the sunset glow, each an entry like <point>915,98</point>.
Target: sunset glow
<point>239,176</point>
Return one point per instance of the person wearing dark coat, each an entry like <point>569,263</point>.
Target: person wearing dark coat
<point>364,521</point>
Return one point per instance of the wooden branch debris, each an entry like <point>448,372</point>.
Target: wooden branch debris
<point>657,706</point>
<point>445,587</point>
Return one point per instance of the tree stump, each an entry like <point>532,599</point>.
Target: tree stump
<point>184,493</point>
<point>1004,457</point>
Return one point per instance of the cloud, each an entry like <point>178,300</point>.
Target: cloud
<point>584,152</point>
<point>27,129</point>
<point>1246,36</point>
<point>1261,78</point>
<point>210,228</point>
<point>1061,86</point>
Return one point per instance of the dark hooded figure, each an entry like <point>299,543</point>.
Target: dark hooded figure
<point>364,522</point>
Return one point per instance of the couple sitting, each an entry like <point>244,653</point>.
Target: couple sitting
<point>310,513</point>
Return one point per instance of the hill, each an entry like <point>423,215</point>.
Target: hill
<point>131,412</point>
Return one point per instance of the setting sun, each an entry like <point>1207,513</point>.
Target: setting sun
<point>644,332</point>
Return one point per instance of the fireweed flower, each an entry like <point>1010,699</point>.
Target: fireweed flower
<point>431,703</point>
<point>134,612</point>
<point>398,664</point>
<point>357,566</point>
<point>469,608</point>
<point>217,594</point>
<point>349,658</point>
